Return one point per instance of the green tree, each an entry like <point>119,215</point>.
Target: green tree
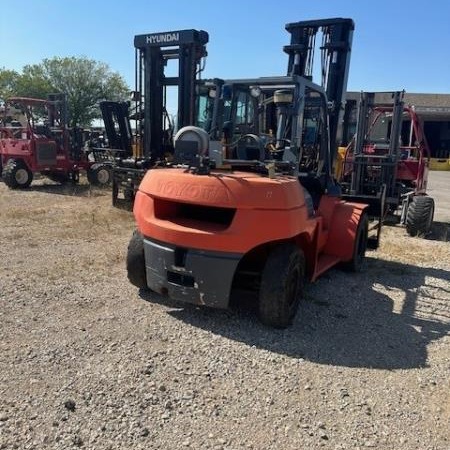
<point>85,82</point>
<point>33,83</point>
<point>8,83</point>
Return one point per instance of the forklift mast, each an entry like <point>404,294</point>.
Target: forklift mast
<point>117,126</point>
<point>388,163</point>
<point>337,35</point>
<point>152,53</point>
<point>57,111</point>
<point>347,131</point>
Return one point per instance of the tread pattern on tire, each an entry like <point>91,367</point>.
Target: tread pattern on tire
<point>273,303</point>
<point>9,174</point>
<point>419,216</point>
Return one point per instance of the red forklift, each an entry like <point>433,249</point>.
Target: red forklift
<point>386,163</point>
<point>35,138</point>
<point>255,205</point>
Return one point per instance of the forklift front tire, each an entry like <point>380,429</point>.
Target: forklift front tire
<point>419,216</point>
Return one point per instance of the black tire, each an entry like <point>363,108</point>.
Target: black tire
<point>99,175</point>
<point>356,264</point>
<point>282,284</point>
<point>16,174</point>
<point>136,261</point>
<point>419,217</point>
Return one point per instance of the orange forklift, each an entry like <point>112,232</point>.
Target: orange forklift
<point>255,203</point>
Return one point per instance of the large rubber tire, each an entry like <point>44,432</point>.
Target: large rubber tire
<point>16,174</point>
<point>356,264</point>
<point>419,217</point>
<point>99,175</point>
<point>282,285</point>
<point>136,261</point>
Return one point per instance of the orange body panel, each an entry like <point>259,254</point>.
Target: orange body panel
<point>336,238</point>
<point>265,209</point>
<point>343,223</point>
<point>225,189</point>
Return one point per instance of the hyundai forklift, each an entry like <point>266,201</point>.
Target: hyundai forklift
<point>150,142</point>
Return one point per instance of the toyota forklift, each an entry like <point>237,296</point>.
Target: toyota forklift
<point>149,143</point>
<point>255,207</point>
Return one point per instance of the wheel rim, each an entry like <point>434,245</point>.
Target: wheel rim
<point>21,176</point>
<point>103,176</point>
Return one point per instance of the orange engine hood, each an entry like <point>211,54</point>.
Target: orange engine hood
<point>261,209</point>
<point>224,189</point>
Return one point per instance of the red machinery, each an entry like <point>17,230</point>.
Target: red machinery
<point>34,138</point>
<point>387,163</point>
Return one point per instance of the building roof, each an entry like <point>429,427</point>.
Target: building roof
<point>437,105</point>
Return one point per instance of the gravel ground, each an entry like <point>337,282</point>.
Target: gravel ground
<point>87,361</point>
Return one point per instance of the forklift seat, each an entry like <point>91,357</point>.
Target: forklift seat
<point>314,185</point>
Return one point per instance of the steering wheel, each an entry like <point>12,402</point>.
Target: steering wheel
<point>249,145</point>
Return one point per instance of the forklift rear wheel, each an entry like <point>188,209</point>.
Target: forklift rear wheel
<point>99,175</point>
<point>356,264</point>
<point>282,284</point>
<point>136,261</point>
<point>419,216</point>
<point>16,174</point>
